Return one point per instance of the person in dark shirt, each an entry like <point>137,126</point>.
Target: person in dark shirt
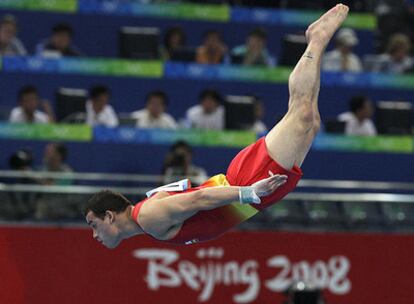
<point>59,43</point>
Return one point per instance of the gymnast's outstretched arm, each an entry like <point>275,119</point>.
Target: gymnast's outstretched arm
<point>177,208</point>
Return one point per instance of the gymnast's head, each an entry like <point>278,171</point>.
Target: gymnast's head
<point>107,213</point>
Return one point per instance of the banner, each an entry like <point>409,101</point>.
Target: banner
<point>226,72</point>
<point>389,144</point>
<point>85,66</point>
<point>173,70</point>
<point>46,132</point>
<point>205,12</point>
<point>66,6</point>
<point>61,265</point>
<point>205,138</point>
<point>296,17</point>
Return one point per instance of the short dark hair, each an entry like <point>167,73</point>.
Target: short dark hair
<point>258,32</point>
<point>98,90</point>
<point>172,31</point>
<point>62,150</point>
<point>210,93</point>
<point>62,28</point>
<point>181,144</point>
<point>212,32</point>
<point>357,102</point>
<point>27,89</point>
<point>105,200</point>
<point>157,93</point>
<point>8,19</point>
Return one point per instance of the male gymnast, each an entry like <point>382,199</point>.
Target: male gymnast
<point>259,176</point>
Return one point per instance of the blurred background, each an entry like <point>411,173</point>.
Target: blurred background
<point>134,94</point>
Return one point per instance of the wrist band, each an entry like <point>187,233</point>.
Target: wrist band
<point>248,196</point>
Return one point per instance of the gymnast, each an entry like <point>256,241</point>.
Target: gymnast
<point>259,176</point>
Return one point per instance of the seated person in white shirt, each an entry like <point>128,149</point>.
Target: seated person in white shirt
<point>154,116</point>
<point>10,44</point>
<point>98,111</point>
<point>28,112</point>
<point>342,58</point>
<point>358,121</point>
<point>59,43</point>
<point>208,114</point>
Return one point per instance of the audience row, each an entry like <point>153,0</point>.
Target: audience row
<point>395,59</point>
<point>208,114</point>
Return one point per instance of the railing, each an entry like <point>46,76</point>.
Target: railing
<point>305,196</point>
<point>156,179</point>
<point>334,204</point>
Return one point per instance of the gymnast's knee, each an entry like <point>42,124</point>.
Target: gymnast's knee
<point>316,123</point>
<point>306,118</point>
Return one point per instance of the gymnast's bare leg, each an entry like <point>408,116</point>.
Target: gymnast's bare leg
<point>290,140</point>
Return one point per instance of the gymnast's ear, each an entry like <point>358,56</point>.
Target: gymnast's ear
<point>110,215</point>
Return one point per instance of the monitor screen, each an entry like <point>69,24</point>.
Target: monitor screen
<point>293,47</point>
<point>70,101</point>
<point>394,117</point>
<point>334,126</point>
<point>139,42</point>
<point>239,112</point>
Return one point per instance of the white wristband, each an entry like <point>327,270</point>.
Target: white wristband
<point>248,196</point>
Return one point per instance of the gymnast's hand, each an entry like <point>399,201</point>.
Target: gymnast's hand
<point>268,185</point>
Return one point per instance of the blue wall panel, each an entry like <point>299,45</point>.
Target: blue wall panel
<point>147,159</point>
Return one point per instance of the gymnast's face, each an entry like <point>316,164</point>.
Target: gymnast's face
<point>104,230</point>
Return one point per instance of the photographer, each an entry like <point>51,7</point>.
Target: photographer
<point>178,165</point>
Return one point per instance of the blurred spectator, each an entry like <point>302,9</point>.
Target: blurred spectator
<point>28,112</point>
<point>208,114</point>
<point>259,127</point>
<point>59,43</point>
<point>397,58</point>
<point>52,205</point>
<point>98,111</point>
<point>342,58</point>
<point>358,121</point>
<point>154,116</point>
<point>254,52</point>
<point>391,19</point>
<point>174,40</point>
<point>54,161</point>
<point>213,50</point>
<point>21,203</point>
<point>178,164</point>
<point>9,43</point>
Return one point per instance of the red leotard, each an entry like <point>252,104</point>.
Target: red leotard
<point>249,166</point>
